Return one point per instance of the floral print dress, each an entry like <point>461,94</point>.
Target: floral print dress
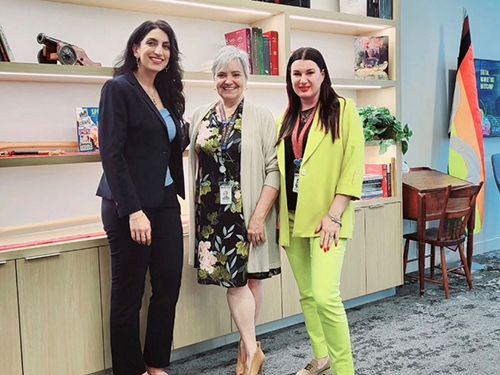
<point>221,235</point>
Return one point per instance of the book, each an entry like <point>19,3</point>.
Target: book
<point>353,7</point>
<point>3,55</point>
<point>87,124</point>
<point>273,51</point>
<point>7,54</point>
<point>385,9</point>
<point>371,59</point>
<point>372,8</point>
<point>261,52</point>
<point>255,51</point>
<point>242,39</point>
<point>266,53</point>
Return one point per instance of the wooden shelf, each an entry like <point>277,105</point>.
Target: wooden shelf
<point>33,72</point>
<point>248,12</point>
<point>375,202</point>
<point>215,10</point>
<point>24,161</point>
<point>336,23</point>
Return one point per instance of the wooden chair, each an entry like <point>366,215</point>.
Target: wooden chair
<point>458,204</point>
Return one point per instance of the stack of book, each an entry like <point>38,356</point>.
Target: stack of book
<point>379,178</point>
<point>261,47</point>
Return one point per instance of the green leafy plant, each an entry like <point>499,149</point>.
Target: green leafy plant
<point>379,124</point>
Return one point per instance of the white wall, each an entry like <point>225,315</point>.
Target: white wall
<point>430,39</point>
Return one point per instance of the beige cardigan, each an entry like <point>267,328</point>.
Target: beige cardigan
<point>259,167</point>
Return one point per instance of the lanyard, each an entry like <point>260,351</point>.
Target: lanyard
<point>298,139</point>
<point>227,126</point>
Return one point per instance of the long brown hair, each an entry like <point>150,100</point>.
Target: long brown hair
<point>329,104</point>
<point>167,82</point>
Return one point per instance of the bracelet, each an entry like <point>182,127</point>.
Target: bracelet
<point>137,218</point>
<point>334,219</point>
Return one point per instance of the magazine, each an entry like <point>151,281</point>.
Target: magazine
<point>87,128</point>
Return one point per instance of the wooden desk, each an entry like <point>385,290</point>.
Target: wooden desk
<point>416,183</point>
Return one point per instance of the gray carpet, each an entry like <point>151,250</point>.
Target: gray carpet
<point>402,335</point>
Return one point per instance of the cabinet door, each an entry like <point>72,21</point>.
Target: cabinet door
<point>290,291</point>
<point>202,311</point>
<point>10,341</point>
<point>60,313</point>
<point>105,277</point>
<point>384,251</point>
<point>353,280</point>
<point>271,308</point>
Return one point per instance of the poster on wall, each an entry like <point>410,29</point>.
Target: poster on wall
<point>488,93</point>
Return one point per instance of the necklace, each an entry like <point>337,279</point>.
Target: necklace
<point>152,96</point>
<point>304,115</point>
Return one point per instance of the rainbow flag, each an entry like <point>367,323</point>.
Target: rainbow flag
<point>466,155</point>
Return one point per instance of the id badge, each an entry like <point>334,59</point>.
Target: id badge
<point>225,194</point>
<point>295,187</point>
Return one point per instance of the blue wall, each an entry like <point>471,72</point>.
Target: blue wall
<point>430,40</point>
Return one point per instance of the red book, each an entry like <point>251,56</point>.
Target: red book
<point>379,169</point>
<point>241,39</point>
<point>273,51</point>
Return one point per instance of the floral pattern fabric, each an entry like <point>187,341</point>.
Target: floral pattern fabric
<point>221,235</point>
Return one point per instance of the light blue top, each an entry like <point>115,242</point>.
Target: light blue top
<point>172,132</point>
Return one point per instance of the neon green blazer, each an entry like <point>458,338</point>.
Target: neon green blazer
<point>328,168</point>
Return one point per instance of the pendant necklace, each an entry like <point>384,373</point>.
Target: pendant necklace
<point>152,96</point>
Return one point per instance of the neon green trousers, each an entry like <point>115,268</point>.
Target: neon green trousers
<point>318,277</point>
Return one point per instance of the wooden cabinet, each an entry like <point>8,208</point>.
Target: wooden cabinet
<point>289,291</point>
<point>202,311</point>
<point>384,256</point>
<point>105,287</point>
<point>353,279</point>
<point>10,343</point>
<point>60,313</point>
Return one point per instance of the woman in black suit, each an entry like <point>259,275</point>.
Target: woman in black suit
<point>140,115</point>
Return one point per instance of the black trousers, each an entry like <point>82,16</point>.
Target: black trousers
<point>129,264</point>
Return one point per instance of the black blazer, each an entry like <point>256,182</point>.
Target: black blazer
<point>134,147</point>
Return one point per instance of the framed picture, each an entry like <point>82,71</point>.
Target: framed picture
<point>488,94</point>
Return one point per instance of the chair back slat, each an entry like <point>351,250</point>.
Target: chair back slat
<point>459,204</point>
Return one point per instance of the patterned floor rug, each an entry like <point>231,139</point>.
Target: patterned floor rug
<point>401,335</point>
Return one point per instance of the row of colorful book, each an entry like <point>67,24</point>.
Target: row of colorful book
<point>261,47</point>
<point>379,178</point>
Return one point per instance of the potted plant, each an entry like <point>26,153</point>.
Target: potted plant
<point>379,124</point>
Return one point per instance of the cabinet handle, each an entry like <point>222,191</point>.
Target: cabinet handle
<point>376,206</point>
<point>42,256</point>
<point>2,262</point>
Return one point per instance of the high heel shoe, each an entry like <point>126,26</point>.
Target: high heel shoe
<point>240,366</point>
<point>257,362</point>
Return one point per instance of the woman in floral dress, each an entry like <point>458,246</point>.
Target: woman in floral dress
<point>235,173</point>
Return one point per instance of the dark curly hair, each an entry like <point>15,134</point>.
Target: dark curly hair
<point>329,113</point>
<point>167,82</point>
